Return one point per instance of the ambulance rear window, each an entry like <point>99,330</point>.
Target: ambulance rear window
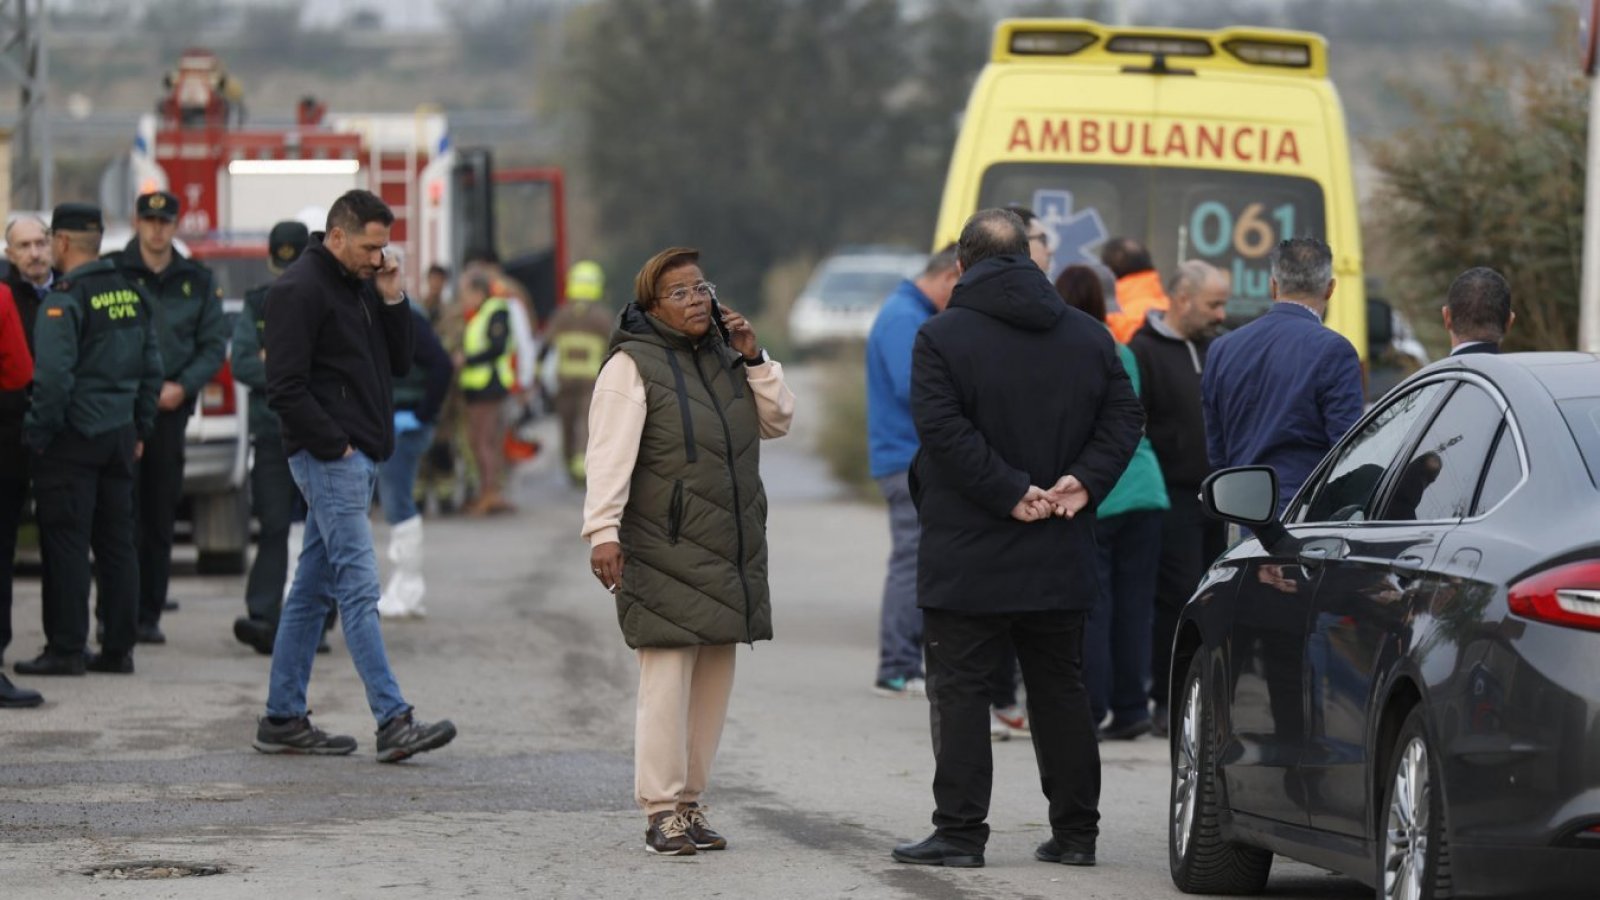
<point>1229,219</point>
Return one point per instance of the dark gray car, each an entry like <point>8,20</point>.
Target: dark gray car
<point>1401,681</point>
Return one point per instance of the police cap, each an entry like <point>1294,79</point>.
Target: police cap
<point>77,217</point>
<point>286,242</point>
<point>158,205</point>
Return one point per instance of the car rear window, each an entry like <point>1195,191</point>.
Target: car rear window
<point>1583,417</point>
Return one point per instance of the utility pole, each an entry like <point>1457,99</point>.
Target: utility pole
<point>24,56</point>
<point>1589,286</point>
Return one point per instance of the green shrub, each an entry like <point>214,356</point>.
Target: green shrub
<point>842,438</point>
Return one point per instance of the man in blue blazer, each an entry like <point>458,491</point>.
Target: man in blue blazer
<point>1282,390</point>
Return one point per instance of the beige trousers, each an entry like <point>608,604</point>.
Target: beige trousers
<point>683,701</point>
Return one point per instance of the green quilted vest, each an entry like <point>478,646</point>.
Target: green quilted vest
<point>694,532</point>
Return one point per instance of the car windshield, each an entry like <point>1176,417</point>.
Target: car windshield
<point>1229,219</point>
<point>1583,417</point>
<point>856,287</point>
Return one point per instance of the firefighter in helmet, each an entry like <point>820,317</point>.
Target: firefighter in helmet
<point>578,335</point>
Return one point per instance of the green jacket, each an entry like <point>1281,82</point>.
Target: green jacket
<point>1141,486</point>
<point>249,368</point>
<point>694,531</point>
<point>189,320</point>
<point>98,365</point>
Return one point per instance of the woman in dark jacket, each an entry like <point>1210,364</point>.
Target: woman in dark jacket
<point>676,516</point>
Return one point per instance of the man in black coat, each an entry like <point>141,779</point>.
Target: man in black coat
<point>1012,391</point>
<point>1477,313</point>
<point>338,331</point>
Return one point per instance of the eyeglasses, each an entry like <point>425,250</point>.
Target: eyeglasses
<point>704,289</point>
<point>1047,237</point>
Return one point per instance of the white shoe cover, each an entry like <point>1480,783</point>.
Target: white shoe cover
<point>404,593</point>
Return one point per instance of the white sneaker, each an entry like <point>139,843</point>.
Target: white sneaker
<point>998,730</point>
<point>1015,718</point>
<point>916,687</point>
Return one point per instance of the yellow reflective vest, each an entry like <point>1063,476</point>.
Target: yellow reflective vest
<point>477,340</point>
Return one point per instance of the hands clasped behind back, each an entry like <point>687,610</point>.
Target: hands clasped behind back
<point>1066,498</point>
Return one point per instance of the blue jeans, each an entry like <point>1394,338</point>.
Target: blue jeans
<point>900,625</point>
<point>397,476</point>
<point>337,569</point>
<point>1116,644</point>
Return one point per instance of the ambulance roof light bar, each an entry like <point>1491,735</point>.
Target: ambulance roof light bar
<point>1271,53</point>
<point>1236,49</point>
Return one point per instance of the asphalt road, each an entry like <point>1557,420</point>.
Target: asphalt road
<point>817,777</point>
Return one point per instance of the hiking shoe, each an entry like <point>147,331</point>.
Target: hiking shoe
<point>300,737</point>
<point>901,687</point>
<point>699,831</point>
<point>1016,719</point>
<point>998,729</point>
<point>404,737</point>
<point>668,835</point>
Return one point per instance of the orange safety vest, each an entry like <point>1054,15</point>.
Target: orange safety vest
<point>1137,294</point>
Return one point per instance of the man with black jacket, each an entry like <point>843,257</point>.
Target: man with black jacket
<point>272,490</point>
<point>1012,390</point>
<point>28,277</point>
<point>1171,351</point>
<point>339,329</point>
<point>194,339</point>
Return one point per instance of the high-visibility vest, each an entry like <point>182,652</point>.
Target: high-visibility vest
<point>579,355</point>
<point>476,340</point>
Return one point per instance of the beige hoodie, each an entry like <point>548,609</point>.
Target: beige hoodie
<point>616,425</point>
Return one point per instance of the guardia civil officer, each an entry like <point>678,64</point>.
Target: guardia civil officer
<point>194,338</point>
<point>95,388</point>
<point>272,490</point>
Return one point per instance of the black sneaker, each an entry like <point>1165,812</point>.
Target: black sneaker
<point>151,634</point>
<point>404,737</point>
<point>299,736</point>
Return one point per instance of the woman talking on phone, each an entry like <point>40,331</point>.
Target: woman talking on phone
<point>676,518</point>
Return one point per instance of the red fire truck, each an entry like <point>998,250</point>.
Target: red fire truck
<point>236,180</point>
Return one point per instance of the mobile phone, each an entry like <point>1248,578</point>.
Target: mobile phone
<point>716,319</point>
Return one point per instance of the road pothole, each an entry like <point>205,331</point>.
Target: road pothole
<point>142,870</point>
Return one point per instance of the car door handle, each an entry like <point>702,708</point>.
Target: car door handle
<point>1409,563</point>
<point>1313,557</point>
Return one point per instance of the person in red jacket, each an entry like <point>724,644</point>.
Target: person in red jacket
<point>16,370</point>
<point>16,363</point>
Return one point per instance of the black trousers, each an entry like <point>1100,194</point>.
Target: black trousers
<point>13,493</point>
<point>159,487</point>
<point>962,654</point>
<point>274,495</point>
<point>83,491</point>
<point>1190,540</point>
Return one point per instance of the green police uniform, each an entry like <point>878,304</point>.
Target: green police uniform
<point>95,390</point>
<point>249,368</point>
<point>99,361</point>
<point>194,338</point>
<point>189,319</point>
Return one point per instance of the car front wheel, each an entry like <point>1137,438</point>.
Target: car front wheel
<point>1413,857</point>
<point>1202,861</point>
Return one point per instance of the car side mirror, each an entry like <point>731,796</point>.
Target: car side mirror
<point>1247,495</point>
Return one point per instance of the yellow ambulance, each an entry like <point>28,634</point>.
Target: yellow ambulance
<point>1209,145</point>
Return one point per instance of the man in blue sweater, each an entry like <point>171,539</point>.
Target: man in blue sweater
<point>1282,390</point>
<point>891,443</point>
